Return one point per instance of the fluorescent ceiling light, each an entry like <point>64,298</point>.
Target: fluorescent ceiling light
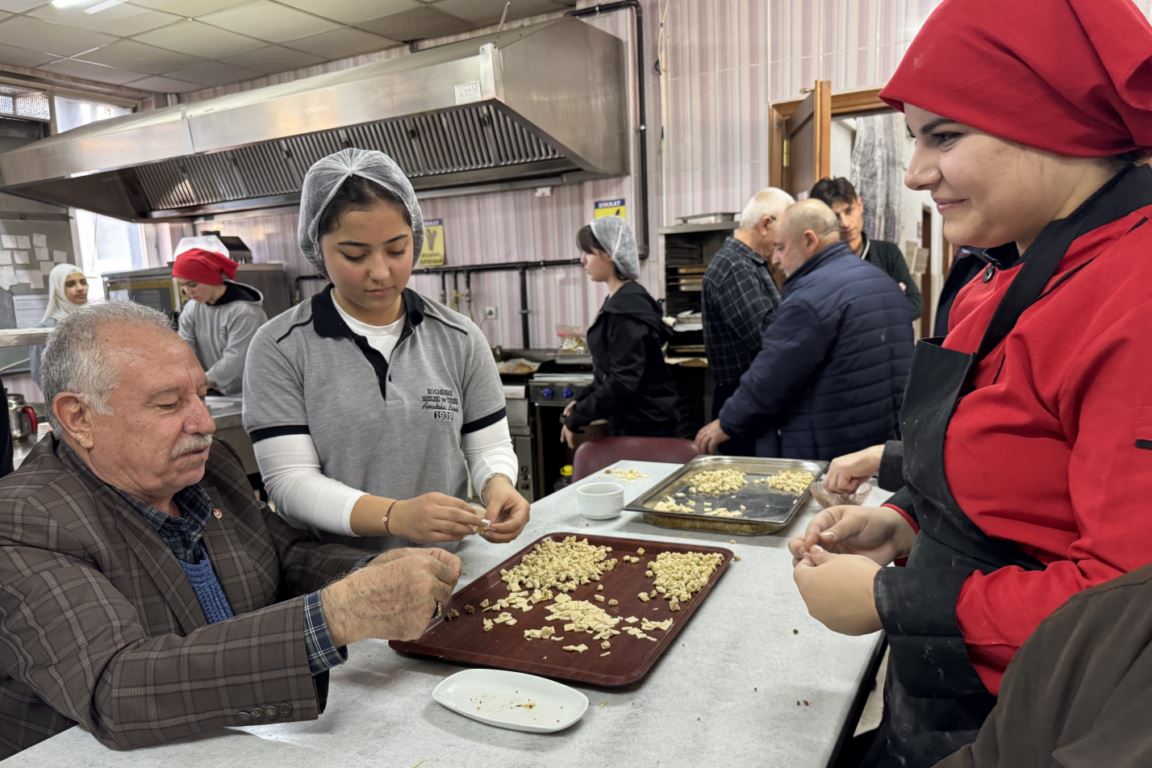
<point>102,6</point>
<point>99,6</point>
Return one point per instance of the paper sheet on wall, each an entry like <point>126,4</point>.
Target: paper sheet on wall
<point>29,309</point>
<point>8,241</point>
<point>46,267</point>
<point>7,277</point>
<point>23,241</point>
<point>42,254</point>
<point>59,256</point>
<point>5,257</point>
<point>36,279</point>
<point>22,275</point>
<point>20,257</point>
<point>40,241</point>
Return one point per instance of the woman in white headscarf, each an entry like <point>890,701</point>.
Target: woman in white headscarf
<point>67,292</point>
<point>631,387</point>
<point>369,406</point>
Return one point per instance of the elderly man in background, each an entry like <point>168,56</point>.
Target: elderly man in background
<point>144,593</point>
<point>739,297</point>
<point>829,376</point>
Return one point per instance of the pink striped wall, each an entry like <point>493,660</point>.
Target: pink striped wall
<point>723,61</point>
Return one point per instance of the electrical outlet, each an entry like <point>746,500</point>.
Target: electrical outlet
<point>490,313</point>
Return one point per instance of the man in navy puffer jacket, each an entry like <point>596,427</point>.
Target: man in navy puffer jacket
<point>829,377</point>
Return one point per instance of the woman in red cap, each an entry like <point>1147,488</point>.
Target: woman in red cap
<point>222,316</point>
<point>1028,429</point>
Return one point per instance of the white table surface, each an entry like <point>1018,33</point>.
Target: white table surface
<point>725,694</point>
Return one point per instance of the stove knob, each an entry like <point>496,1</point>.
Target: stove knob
<point>567,393</point>
<point>548,393</point>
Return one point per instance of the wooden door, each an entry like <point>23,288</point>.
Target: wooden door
<point>800,148</point>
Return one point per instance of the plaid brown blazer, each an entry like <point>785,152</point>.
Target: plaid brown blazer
<point>98,625</point>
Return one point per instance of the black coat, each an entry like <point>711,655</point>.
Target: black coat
<point>829,377</point>
<point>632,387</point>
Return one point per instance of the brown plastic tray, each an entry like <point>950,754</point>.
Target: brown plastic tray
<point>504,647</point>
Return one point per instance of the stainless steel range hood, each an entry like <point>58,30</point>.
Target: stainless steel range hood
<point>546,101</point>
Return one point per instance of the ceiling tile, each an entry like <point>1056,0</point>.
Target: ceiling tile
<point>17,6</point>
<point>353,11</point>
<point>164,85</point>
<point>485,12</point>
<point>91,71</point>
<point>269,21</point>
<point>22,57</point>
<point>121,20</point>
<point>273,60</point>
<point>340,43</point>
<point>213,73</point>
<point>189,8</point>
<point>50,38</point>
<point>417,24</point>
<point>137,57</point>
<point>196,39</point>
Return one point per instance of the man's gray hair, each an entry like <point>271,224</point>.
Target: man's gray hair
<point>74,361</point>
<point>814,215</point>
<point>769,201</point>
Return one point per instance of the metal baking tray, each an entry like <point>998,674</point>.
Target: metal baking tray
<point>767,510</point>
<point>464,640</point>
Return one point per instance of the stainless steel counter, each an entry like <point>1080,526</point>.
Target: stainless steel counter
<point>752,680</point>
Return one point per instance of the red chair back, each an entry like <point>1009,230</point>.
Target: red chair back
<point>593,455</point>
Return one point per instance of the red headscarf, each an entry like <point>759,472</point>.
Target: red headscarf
<point>1068,76</point>
<point>202,266</point>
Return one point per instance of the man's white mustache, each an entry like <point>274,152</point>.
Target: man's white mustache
<point>192,444</point>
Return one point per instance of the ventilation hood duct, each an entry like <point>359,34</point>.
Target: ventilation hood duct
<point>544,102</point>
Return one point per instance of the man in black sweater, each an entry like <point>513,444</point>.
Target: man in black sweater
<point>839,195</point>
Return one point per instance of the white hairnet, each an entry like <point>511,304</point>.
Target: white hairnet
<point>58,305</point>
<point>617,238</point>
<point>324,179</point>
<point>203,242</point>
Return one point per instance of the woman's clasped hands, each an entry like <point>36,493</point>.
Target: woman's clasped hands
<point>837,559</point>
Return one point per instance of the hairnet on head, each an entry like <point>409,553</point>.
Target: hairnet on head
<point>58,305</point>
<point>324,179</point>
<point>617,238</point>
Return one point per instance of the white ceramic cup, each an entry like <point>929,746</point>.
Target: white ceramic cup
<point>600,501</point>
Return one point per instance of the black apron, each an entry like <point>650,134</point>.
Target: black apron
<point>934,700</point>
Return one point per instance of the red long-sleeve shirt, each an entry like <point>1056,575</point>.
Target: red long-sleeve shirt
<point>1053,448</point>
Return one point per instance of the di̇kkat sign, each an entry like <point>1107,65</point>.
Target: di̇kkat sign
<point>610,208</point>
<point>432,253</point>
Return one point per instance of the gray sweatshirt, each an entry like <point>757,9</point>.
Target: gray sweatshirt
<point>220,333</point>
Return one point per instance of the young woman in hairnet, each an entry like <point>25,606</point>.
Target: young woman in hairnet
<point>369,404</point>
<point>631,387</point>
<point>1027,430</point>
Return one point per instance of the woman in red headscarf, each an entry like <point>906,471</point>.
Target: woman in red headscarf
<point>1028,430</point>
<point>222,315</point>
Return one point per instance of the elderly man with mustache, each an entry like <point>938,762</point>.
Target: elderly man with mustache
<point>144,593</point>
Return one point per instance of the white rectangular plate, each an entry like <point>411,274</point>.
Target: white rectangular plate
<point>512,700</point>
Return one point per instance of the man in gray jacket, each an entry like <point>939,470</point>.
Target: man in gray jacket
<point>144,594</point>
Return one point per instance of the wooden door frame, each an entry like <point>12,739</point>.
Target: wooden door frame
<point>856,103</point>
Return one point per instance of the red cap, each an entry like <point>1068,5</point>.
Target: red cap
<point>202,266</point>
<point>1072,77</point>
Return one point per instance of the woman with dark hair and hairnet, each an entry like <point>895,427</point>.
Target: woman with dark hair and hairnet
<point>631,386</point>
<point>370,405</point>
<point>1027,431</point>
